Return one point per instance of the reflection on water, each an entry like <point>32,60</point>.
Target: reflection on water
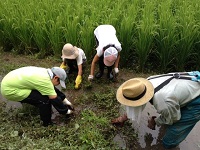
<point>148,138</point>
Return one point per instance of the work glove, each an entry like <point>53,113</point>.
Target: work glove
<point>90,77</point>
<point>78,82</point>
<point>63,66</point>
<point>68,103</point>
<point>116,70</point>
<point>69,112</point>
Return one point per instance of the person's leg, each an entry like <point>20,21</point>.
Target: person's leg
<point>60,94</point>
<point>42,102</point>
<point>110,73</point>
<point>177,132</point>
<point>101,68</point>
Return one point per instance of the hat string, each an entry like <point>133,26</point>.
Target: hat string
<point>138,97</point>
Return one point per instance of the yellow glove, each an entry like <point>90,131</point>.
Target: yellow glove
<point>78,81</point>
<point>63,66</point>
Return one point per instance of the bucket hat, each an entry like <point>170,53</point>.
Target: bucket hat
<point>135,92</point>
<point>69,51</point>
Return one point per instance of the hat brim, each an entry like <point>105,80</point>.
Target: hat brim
<point>108,63</point>
<point>146,98</point>
<point>76,53</point>
<point>62,83</point>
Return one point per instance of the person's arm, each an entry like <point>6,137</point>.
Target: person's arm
<point>117,61</point>
<point>52,96</point>
<point>80,69</point>
<point>95,59</point>
<point>169,111</point>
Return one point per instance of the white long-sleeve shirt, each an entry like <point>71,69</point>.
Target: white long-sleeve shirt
<point>176,94</point>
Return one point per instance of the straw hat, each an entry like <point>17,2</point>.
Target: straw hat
<point>135,92</point>
<point>69,51</point>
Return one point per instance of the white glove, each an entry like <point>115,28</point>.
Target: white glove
<point>69,111</point>
<point>90,77</point>
<point>116,70</point>
<point>66,102</point>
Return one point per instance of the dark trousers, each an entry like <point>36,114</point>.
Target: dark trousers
<point>45,104</point>
<point>177,132</point>
<point>102,66</point>
<point>72,64</point>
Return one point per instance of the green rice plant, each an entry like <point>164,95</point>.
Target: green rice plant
<point>166,37</point>
<point>87,41</point>
<point>40,38</point>
<point>146,30</point>
<point>126,33</point>
<point>187,30</point>
<point>54,36</point>
<point>71,29</point>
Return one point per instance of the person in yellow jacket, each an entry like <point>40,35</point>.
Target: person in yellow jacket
<point>73,59</point>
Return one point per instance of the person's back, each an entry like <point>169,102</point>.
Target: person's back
<point>17,84</point>
<point>106,35</point>
<point>36,86</point>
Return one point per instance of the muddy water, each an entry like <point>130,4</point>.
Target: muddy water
<point>152,139</point>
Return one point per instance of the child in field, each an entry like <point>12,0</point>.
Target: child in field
<point>108,51</point>
<point>73,60</point>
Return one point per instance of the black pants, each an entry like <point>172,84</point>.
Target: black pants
<point>72,64</point>
<point>102,66</point>
<point>44,104</point>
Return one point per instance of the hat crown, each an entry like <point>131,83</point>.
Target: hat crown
<point>133,90</point>
<point>110,56</point>
<point>68,49</point>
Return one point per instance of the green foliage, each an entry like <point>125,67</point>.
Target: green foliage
<point>168,29</point>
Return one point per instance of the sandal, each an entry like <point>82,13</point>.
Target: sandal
<point>119,121</point>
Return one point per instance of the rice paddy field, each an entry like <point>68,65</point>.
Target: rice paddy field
<point>156,36</point>
<point>160,34</point>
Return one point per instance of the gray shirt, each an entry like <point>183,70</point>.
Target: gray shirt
<point>176,94</point>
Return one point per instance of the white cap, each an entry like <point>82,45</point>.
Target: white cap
<point>110,56</point>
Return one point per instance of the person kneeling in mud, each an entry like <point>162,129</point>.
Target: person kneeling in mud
<point>175,96</point>
<point>36,86</point>
<point>73,61</point>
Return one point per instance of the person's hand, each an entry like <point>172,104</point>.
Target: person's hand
<point>68,103</point>
<point>116,70</point>
<point>63,66</point>
<point>152,123</point>
<point>90,77</point>
<point>78,82</point>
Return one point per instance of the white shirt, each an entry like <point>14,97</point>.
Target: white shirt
<point>81,57</point>
<point>169,99</point>
<point>106,34</point>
